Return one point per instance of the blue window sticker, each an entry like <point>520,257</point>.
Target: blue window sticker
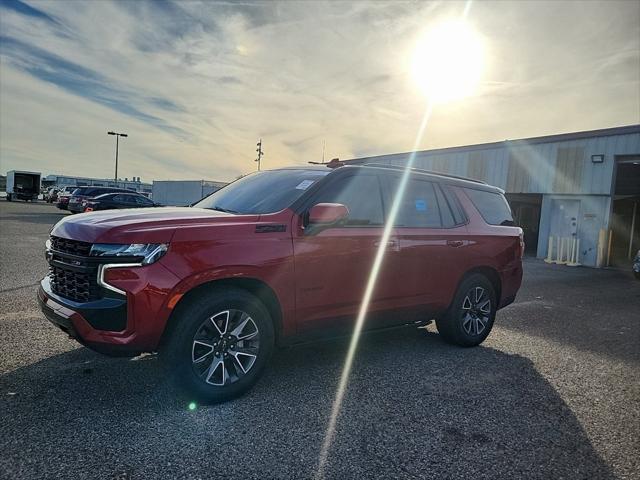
<point>421,205</point>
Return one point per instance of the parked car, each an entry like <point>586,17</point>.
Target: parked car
<point>80,195</point>
<point>62,200</point>
<point>51,195</point>
<point>278,257</point>
<point>636,266</point>
<point>110,201</point>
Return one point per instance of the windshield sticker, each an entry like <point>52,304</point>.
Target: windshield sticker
<point>421,205</point>
<point>303,185</point>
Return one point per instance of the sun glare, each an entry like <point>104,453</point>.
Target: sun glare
<point>448,61</point>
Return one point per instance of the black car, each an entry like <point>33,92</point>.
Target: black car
<point>80,195</point>
<point>109,201</point>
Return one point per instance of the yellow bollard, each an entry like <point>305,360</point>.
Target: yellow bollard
<point>560,260</point>
<point>575,257</point>
<point>549,258</point>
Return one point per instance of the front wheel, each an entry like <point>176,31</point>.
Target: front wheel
<point>220,344</point>
<point>470,317</point>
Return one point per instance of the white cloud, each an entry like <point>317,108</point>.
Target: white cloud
<point>196,84</point>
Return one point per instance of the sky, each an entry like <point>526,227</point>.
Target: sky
<point>195,85</point>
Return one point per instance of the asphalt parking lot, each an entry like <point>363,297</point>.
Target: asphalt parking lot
<point>553,393</point>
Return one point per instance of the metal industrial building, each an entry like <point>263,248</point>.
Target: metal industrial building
<point>183,192</point>
<point>67,180</point>
<point>583,185</point>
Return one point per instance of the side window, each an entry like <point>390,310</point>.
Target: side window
<point>459,215</point>
<point>361,195</point>
<point>445,210</point>
<point>118,198</point>
<point>141,200</point>
<point>492,206</point>
<point>419,206</point>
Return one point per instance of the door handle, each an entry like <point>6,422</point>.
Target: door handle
<point>389,244</point>
<point>455,243</point>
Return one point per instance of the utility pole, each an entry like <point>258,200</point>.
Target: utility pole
<point>118,135</point>
<point>260,153</point>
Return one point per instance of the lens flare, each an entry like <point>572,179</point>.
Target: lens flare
<point>192,406</point>
<point>366,300</point>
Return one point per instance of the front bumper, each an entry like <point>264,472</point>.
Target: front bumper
<point>96,324</point>
<point>117,325</point>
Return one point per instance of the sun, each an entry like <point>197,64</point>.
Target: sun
<point>448,61</point>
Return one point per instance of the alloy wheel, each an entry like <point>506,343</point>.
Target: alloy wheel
<point>225,347</point>
<point>476,311</point>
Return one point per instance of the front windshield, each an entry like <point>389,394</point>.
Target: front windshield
<point>262,192</point>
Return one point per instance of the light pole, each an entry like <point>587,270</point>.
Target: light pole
<point>260,153</point>
<point>118,135</point>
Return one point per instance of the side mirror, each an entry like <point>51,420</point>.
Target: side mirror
<point>326,214</point>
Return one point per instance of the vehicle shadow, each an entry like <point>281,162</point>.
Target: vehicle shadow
<point>415,408</point>
<point>585,308</point>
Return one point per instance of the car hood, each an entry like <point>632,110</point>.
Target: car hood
<point>140,225</point>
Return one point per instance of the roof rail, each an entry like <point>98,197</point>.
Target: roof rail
<point>421,170</point>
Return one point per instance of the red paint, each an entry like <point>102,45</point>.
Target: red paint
<point>318,280</point>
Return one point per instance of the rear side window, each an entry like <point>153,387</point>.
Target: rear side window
<point>361,195</point>
<point>445,211</point>
<point>459,216</point>
<point>492,206</point>
<point>419,206</point>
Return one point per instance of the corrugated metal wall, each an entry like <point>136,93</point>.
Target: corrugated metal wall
<point>540,167</point>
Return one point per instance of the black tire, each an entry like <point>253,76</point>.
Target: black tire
<point>193,319</point>
<point>465,323</point>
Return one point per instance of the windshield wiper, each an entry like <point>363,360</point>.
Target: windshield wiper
<point>220,209</point>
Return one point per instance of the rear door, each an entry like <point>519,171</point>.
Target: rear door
<point>431,244</point>
<point>333,265</point>
<point>117,201</point>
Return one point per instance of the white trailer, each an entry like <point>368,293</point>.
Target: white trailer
<point>182,192</point>
<point>23,185</point>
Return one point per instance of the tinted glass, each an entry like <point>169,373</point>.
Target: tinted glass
<point>492,206</point>
<point>419,206</point>
<point>140,200</point>
<point>459,215</point>
<point>116,198</point>
<point>262,192</point>
<point>445,210</point>
<point>360,194</point>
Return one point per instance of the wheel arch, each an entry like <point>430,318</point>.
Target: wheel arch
<point>256,287</point>
<point>490,274</point>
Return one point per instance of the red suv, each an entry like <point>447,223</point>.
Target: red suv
<point>278,257</point>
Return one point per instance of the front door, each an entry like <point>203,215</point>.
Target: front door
<point>333,265</point>
<point>564,218</point>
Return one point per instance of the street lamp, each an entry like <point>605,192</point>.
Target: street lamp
<point>118,135</point>
<point>260,153</point>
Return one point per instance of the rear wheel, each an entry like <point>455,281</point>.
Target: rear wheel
<point>470,317</point>
<point>220,344</point>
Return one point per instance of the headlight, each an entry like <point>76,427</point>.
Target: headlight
<point>148,252</point>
